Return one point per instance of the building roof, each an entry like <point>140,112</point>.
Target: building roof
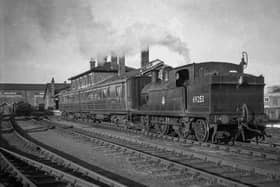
<point>157,63</point>
<point>57,86</point>
<point>19,86</point>
<point>275,89</point>
<point>120,77</point>
<point>107,67</point>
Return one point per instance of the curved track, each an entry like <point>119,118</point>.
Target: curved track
<point>60,170</point>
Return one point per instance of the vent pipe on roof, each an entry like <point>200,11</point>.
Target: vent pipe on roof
<point>114,62</point>
<point>144,57</point>
<point>121,67</point>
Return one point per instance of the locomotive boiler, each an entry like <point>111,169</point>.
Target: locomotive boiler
<point>214,101</point>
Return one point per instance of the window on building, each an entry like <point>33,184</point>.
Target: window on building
<point>160,74</point>
<point>112,91</point>
<point>201,72</point>
<point>89,79</point>
<point>105,92</point>
<point>80,82</point>
<point>274,101</point>
<point>90,96</point>
<point>118,91</point>
<point>266,99</point>
<point>97,95</point>
<point>166,75</point>
<point>92,78</point>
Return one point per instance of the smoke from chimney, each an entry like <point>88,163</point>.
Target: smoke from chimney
<point>144,57</point>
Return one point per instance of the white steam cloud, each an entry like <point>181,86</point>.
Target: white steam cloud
<point>131,40</point>
<point>31,25</point>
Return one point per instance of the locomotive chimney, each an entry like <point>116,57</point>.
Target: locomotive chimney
<point>154,76</point>
<point>121,67</point>
<point>92,63</point>
<point>144,57</point>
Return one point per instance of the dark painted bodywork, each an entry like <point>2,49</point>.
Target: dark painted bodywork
<point>206,89</point>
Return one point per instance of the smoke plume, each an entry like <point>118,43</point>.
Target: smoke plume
<point>32,26</point>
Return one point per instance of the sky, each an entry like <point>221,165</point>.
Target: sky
<point>41,39</point>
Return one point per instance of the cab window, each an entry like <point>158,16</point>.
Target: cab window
<point>182,77</point>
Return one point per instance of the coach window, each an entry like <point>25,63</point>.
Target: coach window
<point>182,77</point>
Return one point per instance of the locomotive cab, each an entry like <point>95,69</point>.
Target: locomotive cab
<point>221,97</point>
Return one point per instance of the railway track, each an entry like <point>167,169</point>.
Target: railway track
<point>32,164</point>
<point>262,150</point>
<point>23,170</point>
<point>181,165</point>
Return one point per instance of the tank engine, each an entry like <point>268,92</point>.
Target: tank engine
<point>209,101</point>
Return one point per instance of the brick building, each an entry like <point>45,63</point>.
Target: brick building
<point>272,103</point>
<point>99,73</point>
<point>13,93</point>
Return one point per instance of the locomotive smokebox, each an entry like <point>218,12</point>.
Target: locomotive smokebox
<point>144,57</point>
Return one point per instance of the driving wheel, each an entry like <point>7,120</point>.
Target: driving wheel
<point>162,129</point>
<point>201,130</point>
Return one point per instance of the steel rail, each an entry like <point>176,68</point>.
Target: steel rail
<point>49,154</point>
<point>208,175</point>
<point>61,174</point>
<point>6,164</point>
<point>258,151</point>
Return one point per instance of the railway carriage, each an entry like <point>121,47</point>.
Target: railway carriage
<point>110,100</point>
<point>209,100</point>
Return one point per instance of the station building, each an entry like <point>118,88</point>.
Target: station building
<point>11,93</point>
<point>34,94</point>
<point>96,74</point>
<point>272,103</point>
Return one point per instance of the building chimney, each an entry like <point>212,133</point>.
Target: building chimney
<point>144,57</point>
<point>114,62</point>
<point>121,67</point>
<point>52,88</point>
<point>92,63</point>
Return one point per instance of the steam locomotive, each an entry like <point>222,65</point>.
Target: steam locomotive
<point>214,101</point>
